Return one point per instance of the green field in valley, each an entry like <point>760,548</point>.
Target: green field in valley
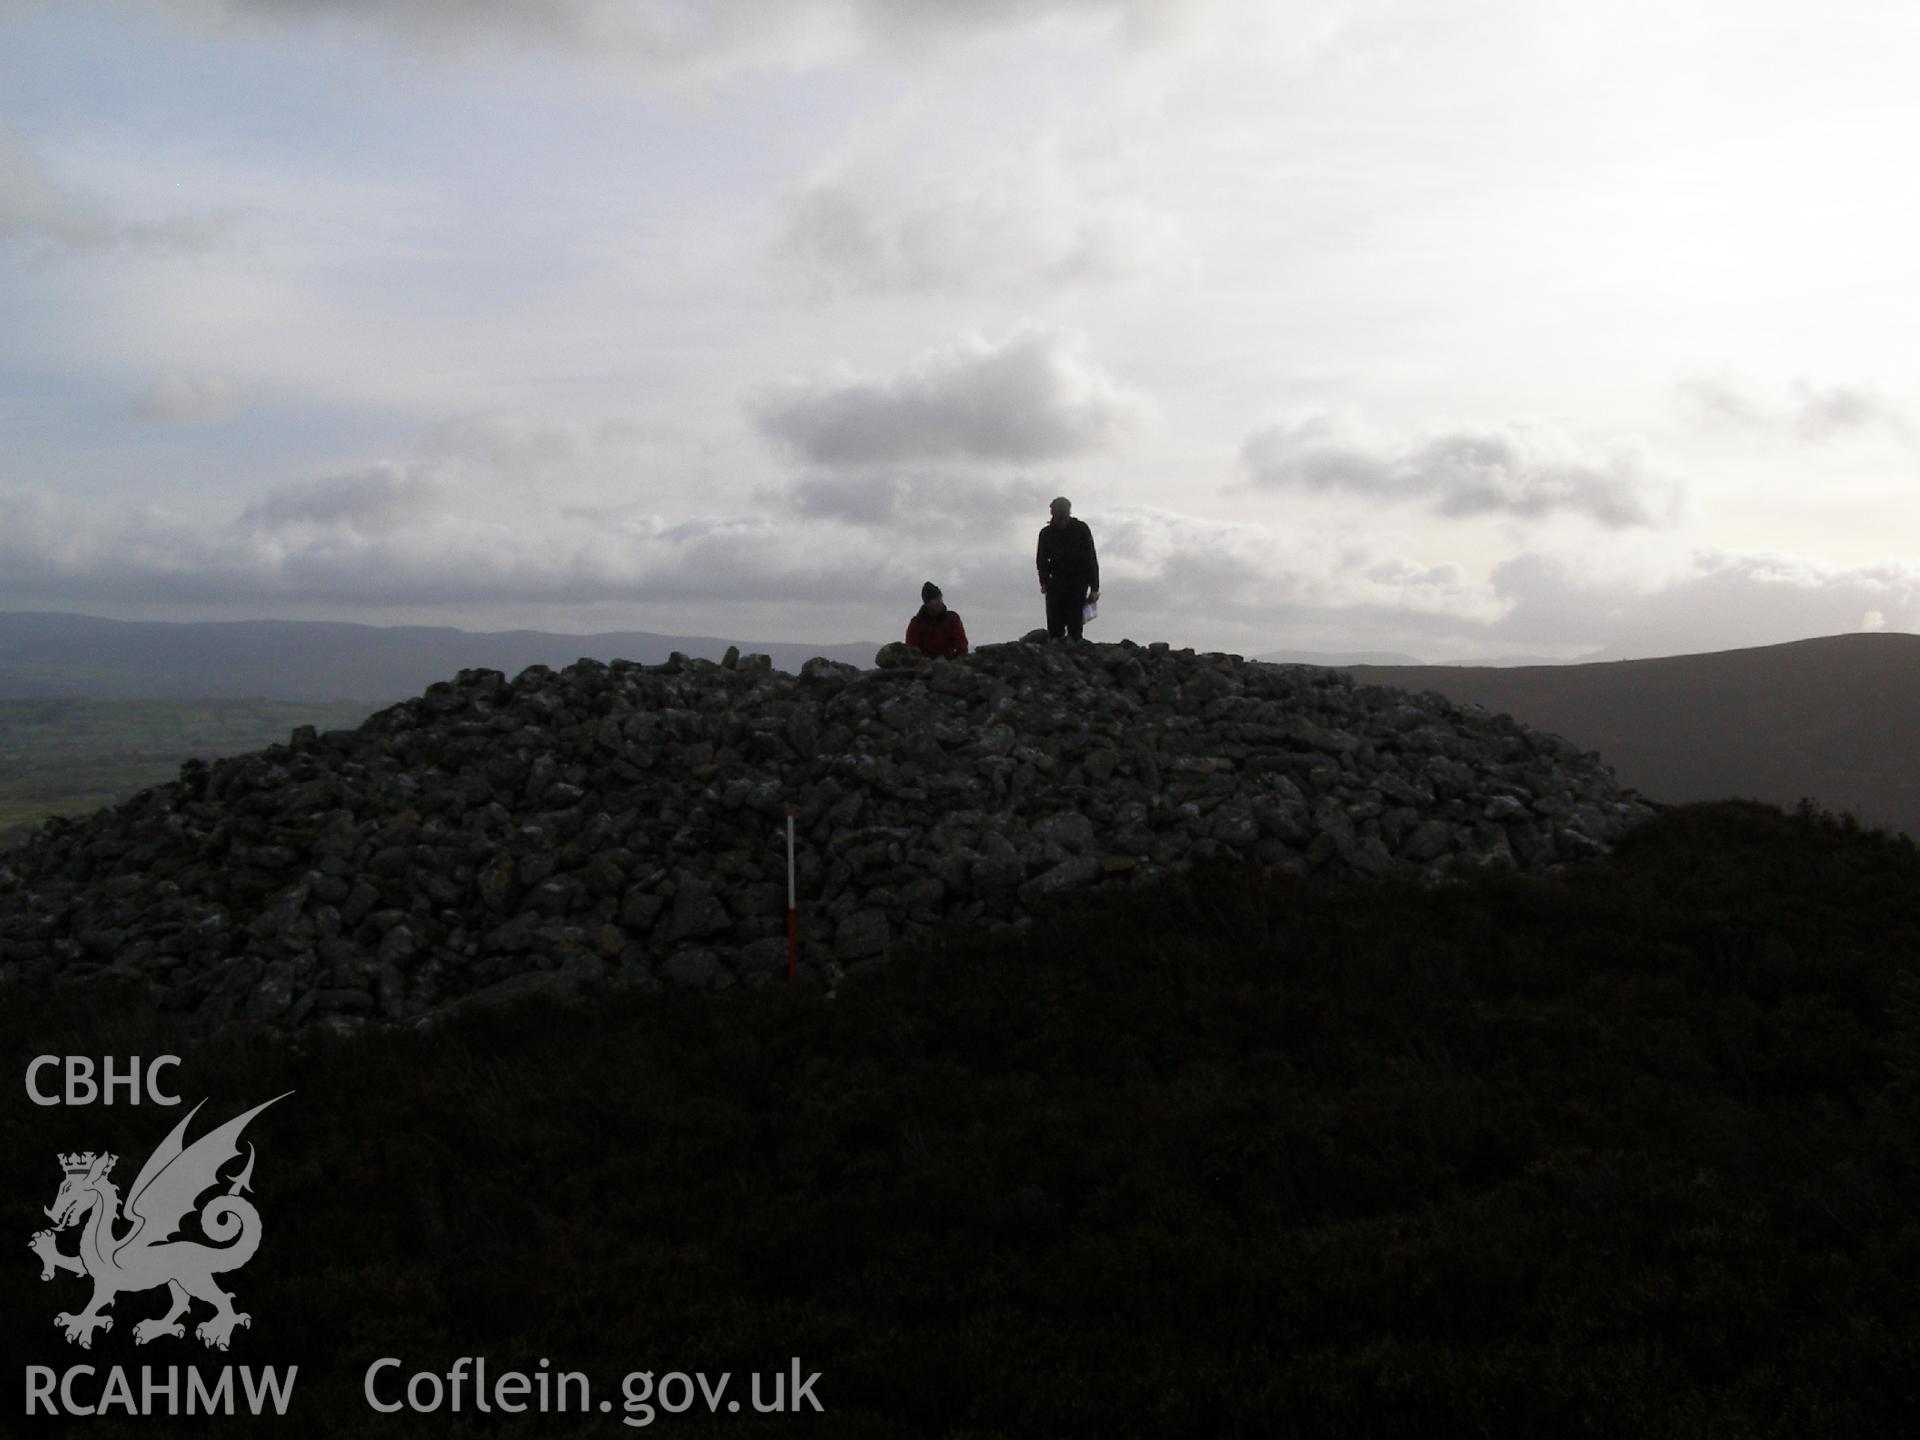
<point>71,756</point>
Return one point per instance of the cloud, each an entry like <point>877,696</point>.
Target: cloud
<point>1838,409</point>
<point>1810,413</point>
<point>1526,473</point>
<point>1717,600</point>
<point>953,502</point>
<point>1036,396</point>
<point>34,206</point>
<point>374,501</point>
<point>571,460</point>
<point>395,535</point>
<point>1172,574</point>
<point>181,399</point>
<point>1715,403</point>
<point>1018,226</point>
<point>1273,576</point>
<point>414,535</point>
<point>400,535</point>
<point>723,35</point>
<point>510,443</point>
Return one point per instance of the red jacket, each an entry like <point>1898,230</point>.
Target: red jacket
<point>940,638</point>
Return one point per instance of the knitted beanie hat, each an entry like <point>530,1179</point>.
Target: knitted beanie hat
<point>929,591</point>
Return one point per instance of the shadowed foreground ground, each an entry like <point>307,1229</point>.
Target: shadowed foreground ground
<point>1631,1152</point>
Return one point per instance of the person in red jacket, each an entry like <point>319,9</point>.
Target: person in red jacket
<point>936,632</point>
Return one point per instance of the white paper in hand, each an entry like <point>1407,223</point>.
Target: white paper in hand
<point>1092,609</point>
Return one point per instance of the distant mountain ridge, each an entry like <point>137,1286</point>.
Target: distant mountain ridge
<point>1346,659</point>
<point>47,655</point>
<point>1827,719</point>
<point>1337,659</point>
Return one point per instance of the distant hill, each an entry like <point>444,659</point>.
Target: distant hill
<point>45,656</point>
<point>1337,660</point>
<point>1347,659</point>
<point>1828,719</point>
<point>1505,662</point>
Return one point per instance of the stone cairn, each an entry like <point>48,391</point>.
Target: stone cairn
<point>623,824</point>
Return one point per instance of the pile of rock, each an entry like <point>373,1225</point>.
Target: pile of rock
<point>626,824</point>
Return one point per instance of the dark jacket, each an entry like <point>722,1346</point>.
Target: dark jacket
<point>1066,554</point>
<point>937,639</point>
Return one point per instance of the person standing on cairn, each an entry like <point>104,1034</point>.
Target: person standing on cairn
<point>1069,569</point>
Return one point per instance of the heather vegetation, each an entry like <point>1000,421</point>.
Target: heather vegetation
<point>1630,1150</point>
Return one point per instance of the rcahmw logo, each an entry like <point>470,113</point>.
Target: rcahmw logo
<point>136,1245</point>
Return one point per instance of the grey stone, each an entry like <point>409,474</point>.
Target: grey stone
<point>273,995</point>
<point>697,912</point>
<point>863,933</point>
<point>397,946</point>
<point>700,969</point>
<point>1429,840</point>
<point>639,908</point>
<point>1072,832</point>
<point>1070,874</point>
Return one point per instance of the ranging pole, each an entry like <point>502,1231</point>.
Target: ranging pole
<point>793,919</point>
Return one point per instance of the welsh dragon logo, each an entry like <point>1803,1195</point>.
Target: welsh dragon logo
<point>145,1254</point>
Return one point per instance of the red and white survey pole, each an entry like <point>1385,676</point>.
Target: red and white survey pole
<point>793,917</point>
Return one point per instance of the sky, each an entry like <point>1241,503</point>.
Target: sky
<point>1489,329</point>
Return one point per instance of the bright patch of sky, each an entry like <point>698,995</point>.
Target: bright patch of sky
<point>1455,330</point>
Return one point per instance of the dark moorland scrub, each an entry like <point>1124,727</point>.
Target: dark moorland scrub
<point>1633,1150</point>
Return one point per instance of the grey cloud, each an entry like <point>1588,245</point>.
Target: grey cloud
<point>180,399</point>
<point>1170,576</point>
<point>1716,403</point>
<point>1205,569</point>
<point>372,501</point>
<point>1312,455</point>
<point>1467,473</point>
<point>1190,575</point>
<point>389,536</point>
<point>1397,571</point>
<point>564,457</point>
<point>721,34</point>
<point>1037,396</point>
<point>1813,414</point>
<point>65,221</point>
<point>1725,600</point>
<point>508,442</point>
<point>1020,229</point>
<point>1194,582</point>
<point>1823,414</point>
<point>385,536</point>
<point>909,500</point>
<point>1312,593</point>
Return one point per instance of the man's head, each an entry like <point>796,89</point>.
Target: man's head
<point>930,597</point>
<point>1062,510</point>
